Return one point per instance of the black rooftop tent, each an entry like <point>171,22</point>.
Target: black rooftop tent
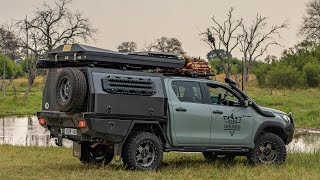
<point>82,55</point>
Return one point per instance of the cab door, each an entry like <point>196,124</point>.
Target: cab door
<point>231,123</point>
<point>190,117</point>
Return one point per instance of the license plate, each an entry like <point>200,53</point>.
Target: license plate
<point>70,131</point>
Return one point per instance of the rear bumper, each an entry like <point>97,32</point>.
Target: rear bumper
<point>105,130</point>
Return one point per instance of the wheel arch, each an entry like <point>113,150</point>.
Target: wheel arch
<point>147,126</point>
<point>276,128</point>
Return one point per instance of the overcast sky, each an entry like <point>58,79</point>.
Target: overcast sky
<point>144,20</point>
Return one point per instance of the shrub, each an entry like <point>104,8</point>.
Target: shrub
<point>281,76</point>
<point>11,68</point>
<point>311,72</point>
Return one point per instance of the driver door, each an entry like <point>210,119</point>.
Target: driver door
<point>231,123</point>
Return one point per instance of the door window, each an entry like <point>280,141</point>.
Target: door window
<point>188,91</point>
<point>223,96</point>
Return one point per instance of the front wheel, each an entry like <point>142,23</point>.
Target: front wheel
<point>143,151</point>
<point>269,149</point>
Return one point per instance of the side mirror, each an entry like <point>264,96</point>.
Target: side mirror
<point>246,102</point>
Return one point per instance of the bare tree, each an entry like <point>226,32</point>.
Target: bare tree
<point>128,46</point>
<point>224,35</point>
<point>51,25</point>
<point>57,24</point>
<point>9,41</point>
<point>165,44</point>
<point>256,39</point>
<point>310,27</point>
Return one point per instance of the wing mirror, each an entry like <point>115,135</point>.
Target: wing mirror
<point>246,102</point>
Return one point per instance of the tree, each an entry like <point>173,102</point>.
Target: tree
<point>51,25</point>
<point>256,39</point>
<point>56,24</point>
<point>128,46</point>
<point>166,44</point>
<point>224,35</point>
<point>9,42</point>
<point>310,27</point>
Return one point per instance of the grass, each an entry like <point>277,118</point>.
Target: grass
<point>58,163</point>
<point>304,103</point>
<point>21,105</point>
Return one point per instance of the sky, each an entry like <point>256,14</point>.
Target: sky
<point>145,20</point>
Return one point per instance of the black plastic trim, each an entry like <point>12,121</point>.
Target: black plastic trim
<point>288,129</point>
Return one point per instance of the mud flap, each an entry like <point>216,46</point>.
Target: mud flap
<point>76,150</point>
<point>117,152</point>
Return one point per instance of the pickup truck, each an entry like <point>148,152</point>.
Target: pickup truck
<point>132,114</point>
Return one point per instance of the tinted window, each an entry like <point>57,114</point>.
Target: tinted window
<point>188,91</point>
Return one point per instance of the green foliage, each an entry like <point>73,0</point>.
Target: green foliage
<point>283,77</point>
<point>261,70</point>
<point>219,65</point>
<point>312,74</point>
<point>11,68</point>
<point>297,68</point>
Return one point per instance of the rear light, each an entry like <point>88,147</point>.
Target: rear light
<point>42,121</point>
<point>82,124</point>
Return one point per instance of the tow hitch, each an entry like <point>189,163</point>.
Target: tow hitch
<point>59,140</point>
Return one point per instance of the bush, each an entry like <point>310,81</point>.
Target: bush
<point>311,72</point>
<point>11,68</point>
<point>260,70</point>
<point>281,76</point>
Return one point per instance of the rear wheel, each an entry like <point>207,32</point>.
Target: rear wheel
<point>212,157</point>
<point>71,89</point>
<point>143,151</point>
<point>269,149</point>
<point>97,154</point>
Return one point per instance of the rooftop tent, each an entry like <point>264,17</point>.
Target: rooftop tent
<point>82,55</point>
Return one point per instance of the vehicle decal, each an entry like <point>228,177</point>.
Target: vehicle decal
<point>232,123</point>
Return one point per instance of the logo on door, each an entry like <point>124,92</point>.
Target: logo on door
<point>232,123</point>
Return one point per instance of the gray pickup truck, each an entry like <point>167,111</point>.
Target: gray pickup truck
<point>112,106</point>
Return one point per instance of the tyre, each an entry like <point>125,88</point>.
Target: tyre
<point>96,154</point>
<point>143,151</point>
<point>71,89</point>
<point>212,157</point>
<point>269,149</point>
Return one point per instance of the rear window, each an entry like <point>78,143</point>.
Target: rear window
<point>188,91</point>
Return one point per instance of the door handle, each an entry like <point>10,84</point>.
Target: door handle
<point>217,112</point>
<point>181,109</point>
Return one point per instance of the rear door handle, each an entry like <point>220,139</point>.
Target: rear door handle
<point>181,109</point>
<point>217,112</point>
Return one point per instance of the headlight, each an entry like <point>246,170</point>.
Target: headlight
<point>285,118</point>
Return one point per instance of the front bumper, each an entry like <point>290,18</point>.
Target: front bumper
<point>289,129</point>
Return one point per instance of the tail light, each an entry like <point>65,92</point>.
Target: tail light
<point>42,121</point>
<point>82,124</point>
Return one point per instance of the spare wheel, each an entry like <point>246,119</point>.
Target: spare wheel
<point>71,89</point>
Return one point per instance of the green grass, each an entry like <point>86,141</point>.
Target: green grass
<point>21,105</point>
<point>304,103</point>
<point>58,163</point>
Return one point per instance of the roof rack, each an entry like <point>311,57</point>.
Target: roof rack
<point>170,64</point>
<point>82,55</point>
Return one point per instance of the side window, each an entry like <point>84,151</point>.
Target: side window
<point>188,91</point>
<point>222,96</point>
